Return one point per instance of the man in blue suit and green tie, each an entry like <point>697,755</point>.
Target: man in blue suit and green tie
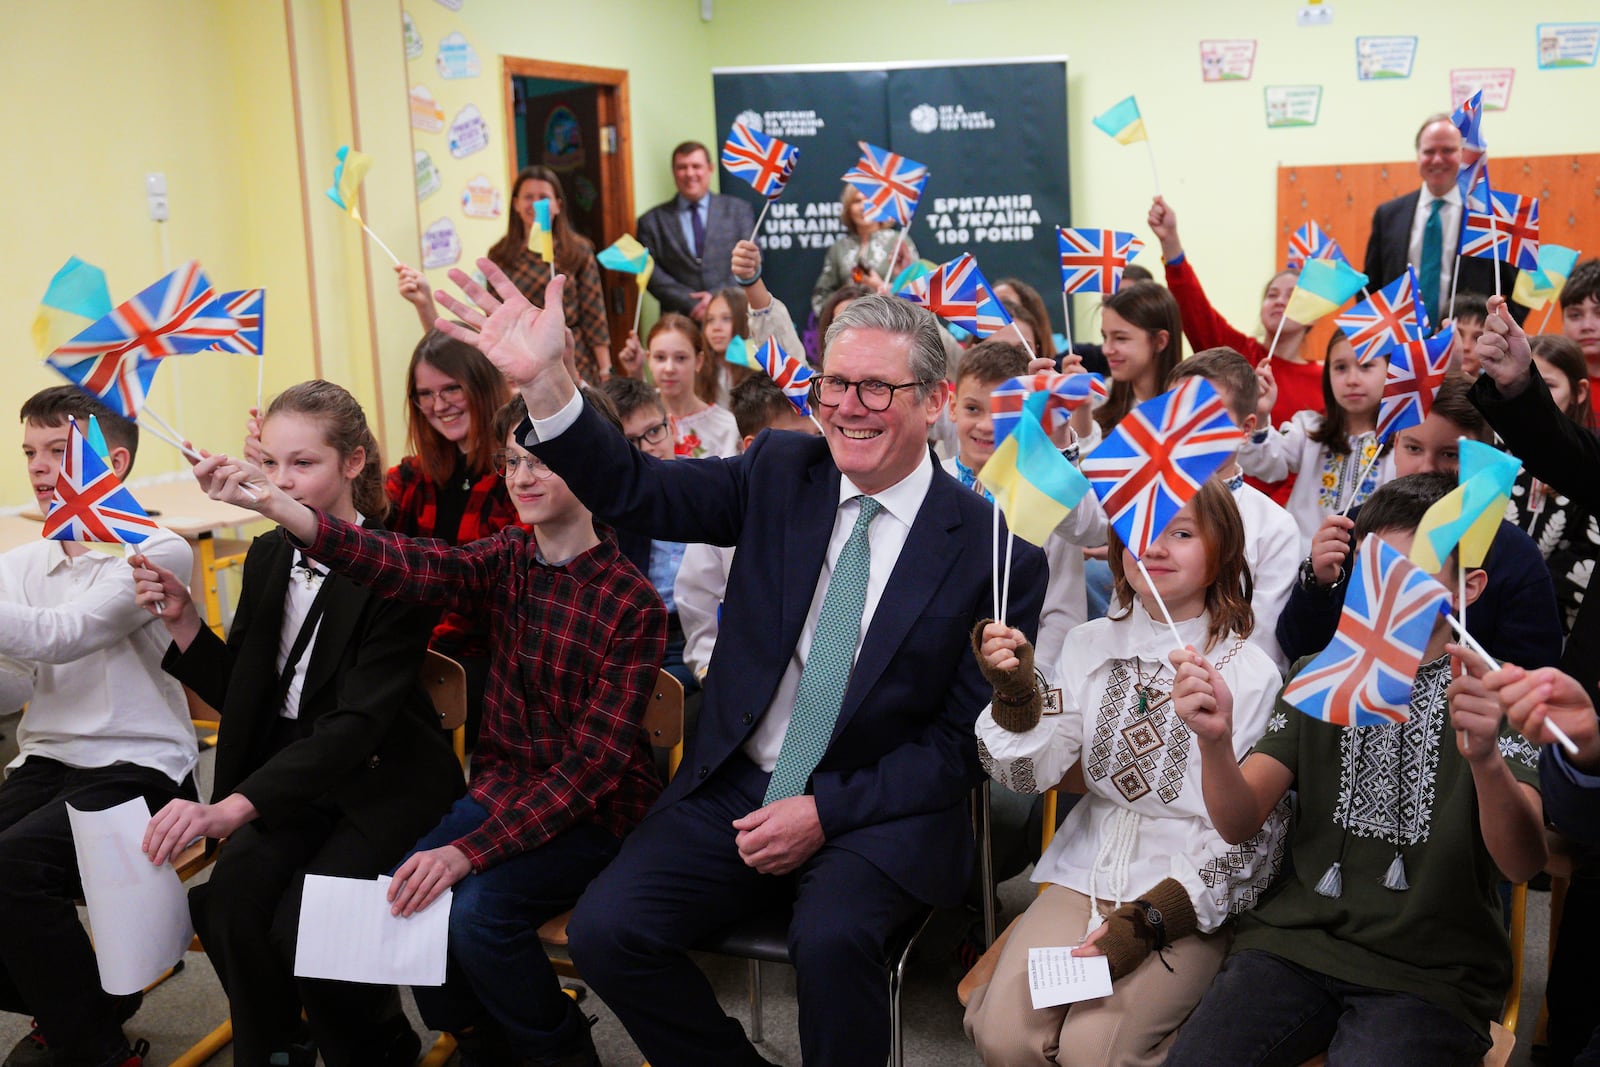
<point>835,750</point>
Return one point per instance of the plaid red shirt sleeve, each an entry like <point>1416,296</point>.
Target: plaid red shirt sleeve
<point>576,652</point>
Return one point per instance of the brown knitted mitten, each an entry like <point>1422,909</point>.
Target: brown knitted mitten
<point>1132,932</point>
<point>1017,701</point>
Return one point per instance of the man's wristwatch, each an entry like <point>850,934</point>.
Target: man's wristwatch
<point>1309,582</point>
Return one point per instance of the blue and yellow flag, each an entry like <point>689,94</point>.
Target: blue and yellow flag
<point>738,353</point>
<point>1123,122</point>
<point>346,188</point>
<point>627,256</point>
<point>76,298</point>
<point>1323,287</point>
<point>541,236</point>
<point>1033,484</point>
<point>1469,516</point>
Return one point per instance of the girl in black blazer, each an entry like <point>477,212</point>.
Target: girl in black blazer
<point>329,760</point>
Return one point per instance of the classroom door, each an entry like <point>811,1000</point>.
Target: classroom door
<point>574,120</point>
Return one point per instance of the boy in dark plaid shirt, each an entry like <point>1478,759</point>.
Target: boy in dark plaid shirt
<point>563,768</point>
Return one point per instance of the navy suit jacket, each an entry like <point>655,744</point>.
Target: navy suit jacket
<point>678,273</point>
<point>1388,249</point>
<point>893,784</point>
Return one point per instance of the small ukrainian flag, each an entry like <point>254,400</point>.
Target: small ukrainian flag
<point>1123,122</point>
<point>1323,286</point>
<point>76,298</point>
<point>346,188</point>
<point>1032,483</point>
<point>541,239</point>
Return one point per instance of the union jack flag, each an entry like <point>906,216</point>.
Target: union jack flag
<point>891,184</point>
<point>1468,118</point>
<point>1511,233</point>
<point>125,393</point>
<point>1092,261</point>
<point>1309,242</point>
<point>958,292</point>
<point>1157,458</point>
<point>246,307</point>
<point>1068,392</point>
<point>178,315</point>
<point>1391,316</point>
<point>1364,676</point>
<point>787,372</point>
<point>91,503</point>
<point>1416,370</point>
<point>765,162</point>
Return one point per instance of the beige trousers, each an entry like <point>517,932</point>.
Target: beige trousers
<point>1127,1029</point>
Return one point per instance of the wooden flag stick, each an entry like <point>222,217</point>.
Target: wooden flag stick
<point>1066,320</point>
<point>1355,490</point>
<point>890,273</point>
<point>995,553</point>
<point>1154,174</point>
<point>261,372</point>
<point>176,441</point>
<point>386,249</point>
<point>1494,233</point>
<point>1549,307</point>
<point>1455,276</point>
<point>1273,347</point>
<point>1005,584</point>
<point>759,217</point>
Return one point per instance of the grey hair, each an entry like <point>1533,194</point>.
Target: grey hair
<point>892,315</point>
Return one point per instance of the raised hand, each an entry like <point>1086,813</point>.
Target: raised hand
<point>252,436</point>
<point>1502,350</point>
<point>1201,698</point>
<point>746,260</point>
<point>522,341</point>
<point>1532,700</point>
<point>1163,223</point>
<point>163,594</point>
<point>1267,394</point>
<point>1000,645</point>
<point>1474,711</point>
<point>234,481</point>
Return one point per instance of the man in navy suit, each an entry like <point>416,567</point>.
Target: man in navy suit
<point>692,235</point>
<point>855,813</point>
<point>1424,229</point>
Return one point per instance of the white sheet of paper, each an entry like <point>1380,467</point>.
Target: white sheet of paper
<point>138,912</point>
<point>1056,976</point>
<point>347,933</point>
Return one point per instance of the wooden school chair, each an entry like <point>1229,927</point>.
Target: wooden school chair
<point>445,681</point>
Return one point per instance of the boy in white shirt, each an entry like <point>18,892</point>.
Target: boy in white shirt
<point>104,725</point>
<point>757,405</point>
<point>1271,538</point>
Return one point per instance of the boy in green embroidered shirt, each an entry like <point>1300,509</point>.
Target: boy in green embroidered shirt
<point>1385,944</point>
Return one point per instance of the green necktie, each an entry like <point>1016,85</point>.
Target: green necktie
<point>828,663</point>
<point>1432,260</point>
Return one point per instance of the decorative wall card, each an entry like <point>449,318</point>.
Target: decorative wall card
<point>480,199</point>
<point>468,132</point>
<point>1568,44</point>
<point>413,38</point>
<point>426,114</point>
<point>1380,58</point>
<point>453,5</point>
<point>457,58</point>
<point>427,175</point>
<point>1292,105</point>
<point>1226,61</point>
<point>1495,82</point>
<point>441,245</point>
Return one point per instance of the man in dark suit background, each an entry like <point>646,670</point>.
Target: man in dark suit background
<point>692,235</point>
<point>1424,229</point>
<point>835,749</point>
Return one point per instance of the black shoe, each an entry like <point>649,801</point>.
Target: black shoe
<point>32,1051</point>
<point>402,1046</point>
<point>295,1056</point>
<point>572,1045</point>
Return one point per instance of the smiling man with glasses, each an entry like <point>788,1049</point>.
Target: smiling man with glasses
<point>835,750</point>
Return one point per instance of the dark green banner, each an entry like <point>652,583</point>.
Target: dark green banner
<point>993,136</point>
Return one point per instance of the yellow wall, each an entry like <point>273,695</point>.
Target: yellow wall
<point>103,91</point>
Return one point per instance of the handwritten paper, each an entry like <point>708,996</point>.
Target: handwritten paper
<point>1056,976</point>
<point>347,934</point>
<point>138,912</point>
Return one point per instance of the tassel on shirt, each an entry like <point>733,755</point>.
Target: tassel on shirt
<point>1332,882</point>
<point>1395,879</point>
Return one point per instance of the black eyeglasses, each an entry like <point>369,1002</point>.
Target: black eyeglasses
<point>427,399</point>
<point>829,390</point>
<point>654,435</point>
<point>506,464</point>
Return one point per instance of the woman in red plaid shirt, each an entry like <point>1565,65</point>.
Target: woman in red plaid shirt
<point>563,767</point>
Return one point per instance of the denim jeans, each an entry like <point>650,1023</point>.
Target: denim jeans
<point>498,973</point>
<point>1263,1011</point>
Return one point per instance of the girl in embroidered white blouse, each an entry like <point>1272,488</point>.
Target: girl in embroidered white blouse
<point>1136,872</point>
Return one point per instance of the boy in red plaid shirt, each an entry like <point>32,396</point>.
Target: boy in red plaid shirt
<point>563,767</point>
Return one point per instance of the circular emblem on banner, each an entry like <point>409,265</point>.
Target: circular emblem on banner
<point>924,118</point>
<point>751,119</point>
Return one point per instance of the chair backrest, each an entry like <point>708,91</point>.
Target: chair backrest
<point>663,719</point>
<point>446,683</point>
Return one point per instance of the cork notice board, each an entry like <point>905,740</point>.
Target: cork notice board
<point>1341,200</point>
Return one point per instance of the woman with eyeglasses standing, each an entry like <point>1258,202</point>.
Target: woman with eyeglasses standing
<point>447,486</point>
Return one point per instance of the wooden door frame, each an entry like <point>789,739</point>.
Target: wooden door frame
<point>617,211</point>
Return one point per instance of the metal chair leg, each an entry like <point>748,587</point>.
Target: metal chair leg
<point>755,1001</point>
<point>986,866</point>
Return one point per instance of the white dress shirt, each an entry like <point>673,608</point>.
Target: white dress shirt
<point>1272,548</point>
<point>702,582</point>
<point>99,693</point>
<point>1450,225</point>
<point>297,601</point>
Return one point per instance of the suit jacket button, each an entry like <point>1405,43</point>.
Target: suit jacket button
<point>748,718</point>
<point>374,762</point>
<point>704,771</point>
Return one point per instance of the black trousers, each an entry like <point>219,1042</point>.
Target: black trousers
<point>248,919</point>
<point>679,878</point>
<point>47,964</point>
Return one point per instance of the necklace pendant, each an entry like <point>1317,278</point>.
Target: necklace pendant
<point>1144,700</point>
